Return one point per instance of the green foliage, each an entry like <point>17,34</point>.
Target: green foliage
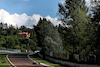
<point>66,9</point>
<point>4,33</point>
<point>80,36</point>
<point>17,46</point>
<point>33,45</point>
<point>77,35</point>
<point>23,47</point>
<point>4,59</point>
<point>9,38</point>
<point>80,32</point>
<point>40,60</point>
<point>83,32</point>
<point>2,40</point>
<point>11,30</point>
<point>51,45</point>
<point>96,21</point>
<point>48,36</point>
<point>10,42</point>
<point>23,28</point>
<point>95,10</point>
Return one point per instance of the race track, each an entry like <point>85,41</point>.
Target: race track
<point>21,60</point>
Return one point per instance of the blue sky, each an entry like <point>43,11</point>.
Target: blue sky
<point>30,7</point>
<point>28,12</point>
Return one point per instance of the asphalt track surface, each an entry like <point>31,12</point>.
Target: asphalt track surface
<point>21,60</point>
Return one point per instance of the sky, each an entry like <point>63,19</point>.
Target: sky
<point>28,12</point>
<point>30,7</point>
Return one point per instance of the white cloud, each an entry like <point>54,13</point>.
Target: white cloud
<point>23,19</point>
<point>88,2</point>
<point>62,2</point>
<point>53,20</point>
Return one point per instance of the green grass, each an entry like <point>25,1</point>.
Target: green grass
<point>40,60</point>
<point>4,62</point>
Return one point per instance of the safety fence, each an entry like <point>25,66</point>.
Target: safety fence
<point>88,59</point>
<point>66,62</point>
<point>3,49</point>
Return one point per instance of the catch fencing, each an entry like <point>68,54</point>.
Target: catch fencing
<point>3,49</point>
<point>54,58</point>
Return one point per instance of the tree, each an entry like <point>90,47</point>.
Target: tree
<point>80,33</point>
<point>2,41</point>
<point>11,30</point>
<point>47,32</point>
<point>23,28</point>
<point>80,36</point>
<point>68,7</point>
<point>10,43</point>
<point>32,45</point>
<point>1,26</point>
<point>69,10</point>
<point>17,43</point>
<point>51,45</point>
<point>83,30</point>
<point>66,37</point>
<point>4,33</point>
<point>95,4</point>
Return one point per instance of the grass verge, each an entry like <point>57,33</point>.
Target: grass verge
<point>4,62</point>
<point>40,60</point>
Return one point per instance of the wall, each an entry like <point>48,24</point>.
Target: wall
<point>66,62</point>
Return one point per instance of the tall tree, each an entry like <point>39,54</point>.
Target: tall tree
<point>66,36</point>
<point>81,38</point>
<point>48,36</point>
<point>23,28</point>
<point>95,4</point>
<point>67,11</point>
<point>11,30</point>
<point>69,6</point>
<point>10,43</point>
<point>1,25</point>
<point>83,31</point>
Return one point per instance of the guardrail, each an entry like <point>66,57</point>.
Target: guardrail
<point>3,49</point>
<point>10,51</point>
<point>66,62</point>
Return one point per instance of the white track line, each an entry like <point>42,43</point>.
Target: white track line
<point>35,61</point>
<point>10,61</point>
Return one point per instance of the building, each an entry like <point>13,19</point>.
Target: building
<point>25,35</point>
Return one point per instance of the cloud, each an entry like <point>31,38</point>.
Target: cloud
<point>62,2</point>
<point>23,19</point>
<point>88,2</point>
<point>53,20</point>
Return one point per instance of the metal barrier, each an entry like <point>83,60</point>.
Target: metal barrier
<point>10,51</point>
<point>66,62</point>
<point>3,49</point>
